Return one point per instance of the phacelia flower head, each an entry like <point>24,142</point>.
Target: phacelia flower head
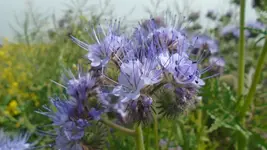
<point>111,102</point>
<point>204,42</point>
<point>254,27</point>
<point>232,31</point>
<point>108,43</point>
<point>80,87</point>
<point>15,142</point>
<point>101,53</point>
<point>136,73</point>
<point>69,123</point>
<point>169,39</point>
<point>218,61</point>
<point>64,110</point>
<point>154,54</point>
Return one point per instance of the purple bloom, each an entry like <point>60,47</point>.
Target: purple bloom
<point>182,68</point>
<point>95,114</point>
<point>205,42</point>
<point>134,76</point>
<point>112,103</point>
<point>256,25</point>
<point>186,71</point>
<point>103,50</point>
<point>69,125</point>
<point>64,111</point>
<point>80,87</point>
<point>73,131</point>
<point>64,143</point>
<point>16,142</point>
<point>217,61</point>
<point>130,82</point>
<point>171,39</point>
<point>232,30</point>
<point>101,53</point>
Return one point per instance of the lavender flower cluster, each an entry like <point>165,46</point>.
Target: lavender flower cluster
<point>13,142</point>
<point>153,57</point>
<point>233,30</point>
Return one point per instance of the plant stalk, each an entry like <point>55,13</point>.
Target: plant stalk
<point>118,127</point>
<point>156,131</point>
<point>241,60</point>
<point>139,137</point>
<point>256,78</point>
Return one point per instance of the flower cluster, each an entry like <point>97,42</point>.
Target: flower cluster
<point>153,57</point>
<point>74,115</point>
<point>19,142</point>
<point>233,31</point>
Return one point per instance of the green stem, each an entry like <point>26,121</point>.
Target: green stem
<point>156,131</point>
<point>118,127</point>
<point>139,137</point>
<point>241,64</point>
<point>255,80</point>
<point>241,141</point>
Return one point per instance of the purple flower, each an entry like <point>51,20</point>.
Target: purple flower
<point>182,68</point>
<point>73,131</point>
<point>112,103</point>
<point>69,126</point>
<point>205,42</point>
<point>186,71</point>
<point>134,76</point>
<point>171,39</point>
<point>95,114</point>
<point>130,82</point>
<point>141,32</point>
<point>217,61</point>
<point>233,31</point>
<point>79,88</point>
<point>101,53</point>
<point>15,142</point>
<point>64,143</point>
<point>103,50</point>
<point>256,25</point>
<point>64,110</point>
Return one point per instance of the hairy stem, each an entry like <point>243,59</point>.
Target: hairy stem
<point>255,80</point>
<point>241,61</point>
<point>118,127</point>
<point>156,131</point>
<point>139,137</point>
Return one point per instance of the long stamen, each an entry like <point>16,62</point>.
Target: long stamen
<point>79,43</point>
<point>214,75</point>
<point>58,84</point>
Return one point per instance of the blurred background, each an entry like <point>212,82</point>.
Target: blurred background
<point>133,9</point>
<point>34,50</point>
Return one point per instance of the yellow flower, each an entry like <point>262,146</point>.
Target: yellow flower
<point>15,84</point>
<point>12,108</point>
<point>13,89</point>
